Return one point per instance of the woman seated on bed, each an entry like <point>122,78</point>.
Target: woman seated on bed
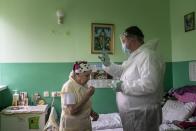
<point>76,100</point>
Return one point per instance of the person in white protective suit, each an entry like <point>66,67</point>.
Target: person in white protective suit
<point>76,100</point>
<point>139,89</point>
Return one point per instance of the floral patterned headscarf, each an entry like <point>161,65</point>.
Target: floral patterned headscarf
<point>81,67</point>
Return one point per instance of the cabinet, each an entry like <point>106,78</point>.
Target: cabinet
<point>32,118</point>
<point>3,87</point>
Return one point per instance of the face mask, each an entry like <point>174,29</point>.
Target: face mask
<point>124,48</point>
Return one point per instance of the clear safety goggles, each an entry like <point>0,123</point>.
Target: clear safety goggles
<point>123,36</point>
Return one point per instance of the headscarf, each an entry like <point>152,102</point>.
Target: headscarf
<point>81,67</point>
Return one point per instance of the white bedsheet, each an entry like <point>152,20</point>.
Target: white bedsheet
<point>115,129</point>
<point>107,122</point>
<point>112,122</point>
<point>169,127</point>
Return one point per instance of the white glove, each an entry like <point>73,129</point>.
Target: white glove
<point>105,59</point>
<point>116,85</point>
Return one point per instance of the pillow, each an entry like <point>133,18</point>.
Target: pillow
<point>107,121</point>
<point>175,110</point>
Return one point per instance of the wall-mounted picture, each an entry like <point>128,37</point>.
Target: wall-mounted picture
<point>189,21</point>
<point>102,38</point>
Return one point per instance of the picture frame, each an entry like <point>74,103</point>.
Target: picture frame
<point>102,38</point>
<point>189,21</point>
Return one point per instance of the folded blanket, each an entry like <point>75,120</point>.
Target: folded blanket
<point>182,90</point>
<point>185,94</point>
<point>185,124</point>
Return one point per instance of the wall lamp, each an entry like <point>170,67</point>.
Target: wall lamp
<point>60,16</point>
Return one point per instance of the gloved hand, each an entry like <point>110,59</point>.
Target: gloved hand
<point>105,59</point>
<point>116,85</point>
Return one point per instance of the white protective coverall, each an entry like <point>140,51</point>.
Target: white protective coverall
<point>142,76</point>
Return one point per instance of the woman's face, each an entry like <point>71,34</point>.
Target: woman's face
<point>83,78</point>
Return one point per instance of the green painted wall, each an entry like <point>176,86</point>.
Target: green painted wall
<point>183,43</point>
<point>181,74</point>
<point>30,36</point>
<point>168,80</point>
<point>40,77</point>
<point>30,33</point>
<point>36,53</point>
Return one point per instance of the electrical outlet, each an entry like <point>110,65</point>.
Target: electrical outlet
<point>53,94</point>
<point>58,93</point>
<point>46,93</point>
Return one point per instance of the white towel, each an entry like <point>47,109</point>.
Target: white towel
<point>52,123</point>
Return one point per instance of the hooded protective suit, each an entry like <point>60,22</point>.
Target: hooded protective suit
<point>139,100</point>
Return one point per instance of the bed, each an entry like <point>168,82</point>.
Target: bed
<point>174,110</point>
<point>112,122</point>
<point>107,122</point>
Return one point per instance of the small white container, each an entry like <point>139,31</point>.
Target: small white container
<point>15,98</point>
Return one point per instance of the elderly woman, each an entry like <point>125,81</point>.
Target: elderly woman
<point>76,100</point>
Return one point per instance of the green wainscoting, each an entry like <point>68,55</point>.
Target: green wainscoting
<point>181,74</point>
<point>40,77</point>
<point>168,81</point>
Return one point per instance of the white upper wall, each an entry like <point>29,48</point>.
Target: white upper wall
<point>30,33</point>
<point>183,43</point>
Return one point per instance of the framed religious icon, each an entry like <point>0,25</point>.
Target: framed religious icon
<point>102,38</point>
<point>189,21</point>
